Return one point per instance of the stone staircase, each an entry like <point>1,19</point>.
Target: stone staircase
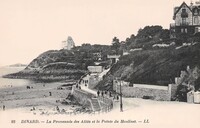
<point>95,104</point>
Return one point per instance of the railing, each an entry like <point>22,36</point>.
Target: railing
<point>172,25</point>
<point>106,104</point>
<point>184,24</point>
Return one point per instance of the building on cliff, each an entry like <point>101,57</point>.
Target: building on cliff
<point>187,20</point>
<point>68,44</point>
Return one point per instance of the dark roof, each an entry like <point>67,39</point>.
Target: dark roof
<point>181,7</point>
<point>194,8</point>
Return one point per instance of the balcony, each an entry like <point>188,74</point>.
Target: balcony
<point>184,24</point>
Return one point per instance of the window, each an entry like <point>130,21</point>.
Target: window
<point>195,20</point>
<point>195,12</point>
<point>183,10</point>
<point>183,21</point>
<point>184,14</point>
<point>197,29</point>
<point>182,30</point>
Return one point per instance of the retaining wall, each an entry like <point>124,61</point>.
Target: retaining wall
<point>154,92</point>
<point>81,96</point>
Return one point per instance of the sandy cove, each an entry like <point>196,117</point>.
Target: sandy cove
<point>38,97</point>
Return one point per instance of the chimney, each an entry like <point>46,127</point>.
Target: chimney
<point>197,2</point>
<point>191,4</point>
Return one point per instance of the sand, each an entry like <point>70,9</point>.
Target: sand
<point>38,96</point>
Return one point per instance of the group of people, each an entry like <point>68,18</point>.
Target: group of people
<point>107,93</point>
<point>79,87</point>
<point>104,93</point>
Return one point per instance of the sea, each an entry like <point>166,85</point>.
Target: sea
<point>6,82</point>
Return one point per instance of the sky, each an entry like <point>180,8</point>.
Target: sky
<point>31,27</point>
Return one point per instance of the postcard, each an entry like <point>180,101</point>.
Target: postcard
<point>99,63</point>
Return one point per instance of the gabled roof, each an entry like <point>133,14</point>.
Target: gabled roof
<point>194,8</point>
<point>181,7</point>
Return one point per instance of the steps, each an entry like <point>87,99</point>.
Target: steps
<point>95,104</point>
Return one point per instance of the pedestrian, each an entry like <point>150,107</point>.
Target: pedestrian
<point>102,93</point>
<point>57,108</point>
<point>49,93</point>
<point>117,97</point>
<point>110,93</point>
<point>106,92</point>
<point>4,107</point>
<point>98,92</point>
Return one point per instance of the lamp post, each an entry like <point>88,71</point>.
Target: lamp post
<point>120,93</point>
<point>121,104</point>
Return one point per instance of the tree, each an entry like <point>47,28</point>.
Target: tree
<point>115,44</point>
<point>165,34</point>
<point>130,39</point>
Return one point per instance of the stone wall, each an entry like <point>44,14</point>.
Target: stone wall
<point>81,96</point>
<point>173,89</point>
<point>154,92</point>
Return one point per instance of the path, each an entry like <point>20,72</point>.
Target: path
<point>92,91</point>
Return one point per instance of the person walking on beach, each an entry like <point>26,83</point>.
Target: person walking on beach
<point>57,108</point>
<point>4,107</point>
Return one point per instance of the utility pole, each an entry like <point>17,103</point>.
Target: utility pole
<point>121,104</point>
<point>120,93</point>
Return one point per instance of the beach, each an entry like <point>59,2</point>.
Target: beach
<point>26,95</point>
<point>37,96</point>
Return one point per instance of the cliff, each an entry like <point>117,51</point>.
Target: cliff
<point>52,65</point>
<point>56,65</point>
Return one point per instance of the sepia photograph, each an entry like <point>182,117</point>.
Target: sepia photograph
<point>100,63</point>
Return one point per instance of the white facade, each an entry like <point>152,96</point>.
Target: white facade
<point>68,44</point>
